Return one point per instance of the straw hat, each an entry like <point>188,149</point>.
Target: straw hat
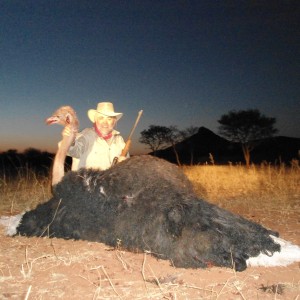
<point>106,109</point>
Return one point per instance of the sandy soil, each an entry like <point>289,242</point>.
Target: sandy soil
<point>43,268</point>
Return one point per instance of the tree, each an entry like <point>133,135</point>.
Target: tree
<point>246,127</point>
<point>155,137</point>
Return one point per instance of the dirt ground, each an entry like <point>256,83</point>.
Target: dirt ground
<point>43,268</point>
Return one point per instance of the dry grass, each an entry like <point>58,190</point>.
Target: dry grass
<point>227,186</point>
<point>44,268</point>
<point>23,192</point>
<point>257,187</point>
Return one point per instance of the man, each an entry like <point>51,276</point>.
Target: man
<point>97,147</point>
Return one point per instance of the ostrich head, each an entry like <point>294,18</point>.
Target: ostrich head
<point>65,115</point>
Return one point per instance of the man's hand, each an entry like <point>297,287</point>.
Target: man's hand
<point>122,158</point>
<point>69,135</point>
<point>69,131</point>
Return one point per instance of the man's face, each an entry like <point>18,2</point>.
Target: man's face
<point>105,124</point>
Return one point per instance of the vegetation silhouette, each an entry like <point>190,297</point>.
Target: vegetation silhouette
<point>14,163</point>
<point>246,127</point>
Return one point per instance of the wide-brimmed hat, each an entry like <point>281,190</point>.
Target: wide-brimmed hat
<point>106,109</point>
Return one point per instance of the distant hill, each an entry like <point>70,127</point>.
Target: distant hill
<point>197,149</point>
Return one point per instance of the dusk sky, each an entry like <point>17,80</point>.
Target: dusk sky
<point>185,63</point>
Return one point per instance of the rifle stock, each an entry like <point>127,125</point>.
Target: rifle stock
<point>126,148</point>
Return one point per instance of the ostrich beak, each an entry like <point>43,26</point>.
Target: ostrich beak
<point>52,120</point>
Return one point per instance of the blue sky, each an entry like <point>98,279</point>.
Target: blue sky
<point>185,63</point>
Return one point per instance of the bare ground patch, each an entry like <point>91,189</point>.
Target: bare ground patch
<point>43,268</point>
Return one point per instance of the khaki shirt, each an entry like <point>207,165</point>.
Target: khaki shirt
<point>92,151</point>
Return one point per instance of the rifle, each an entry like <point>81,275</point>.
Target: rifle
<point>128,143</point>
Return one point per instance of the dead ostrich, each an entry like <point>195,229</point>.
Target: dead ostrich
<point>148,204</point>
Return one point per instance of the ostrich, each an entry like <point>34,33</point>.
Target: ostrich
<point>148,204</point>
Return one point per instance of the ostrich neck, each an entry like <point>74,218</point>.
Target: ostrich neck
<point>58,170</point>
